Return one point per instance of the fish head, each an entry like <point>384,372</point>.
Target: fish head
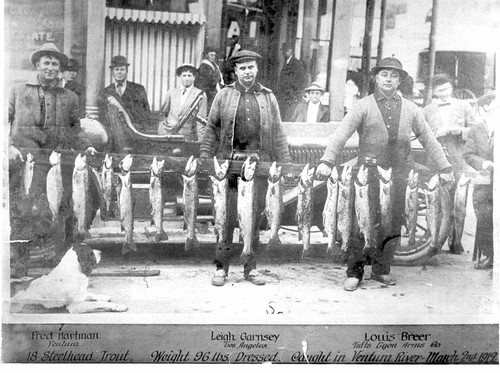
<point>346,176</point>
<point>362,178</point>
<point>125,179</point>
<point>464,180</point>
<point>108,161</point>
<point>156,167</point>
<point>274,173</point>
<point>334,176</point>
<point>80,162</point>
<point>385,175</point>
<point>29,158</point>
<point>55,158</point>
<point>307,175</point>
<point>248,169</point>
<point>220,170</point>
<point>413,179</point>
<point>126,163</point>
<point>433,182</point>
<point>191,166</point>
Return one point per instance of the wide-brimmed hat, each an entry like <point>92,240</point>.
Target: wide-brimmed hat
<point>390,63</point>
<point>118,61</point>
<point>48,48</point>
<point>245,55</point>
<point>315,87</point>
<point>211,49</point>
<point>186,66</point>
<point>72,65</point>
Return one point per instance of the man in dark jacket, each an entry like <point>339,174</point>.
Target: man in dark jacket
<point>244,122</point>
<point>209,78</point>
<point>68,81</point>
<point>312,110</point>
<point>291,82</point>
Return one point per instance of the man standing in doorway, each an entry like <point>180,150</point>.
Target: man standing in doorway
<point>68,81</point>
<point>312,111</point>
<point>209,78</point>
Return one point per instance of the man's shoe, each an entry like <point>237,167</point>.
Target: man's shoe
<point>385,279</point>
<point>219,278</point>
<point>486,263</point>
<point>255,278</point>
<point>351,283</point>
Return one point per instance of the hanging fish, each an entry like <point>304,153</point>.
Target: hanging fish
<point>126,204</point>
<point>54,185</point>
<point>28,173</point>
<point>107,176</point>
<point>446,214</point>
<point>81,197</point>
<point>385,197</point>
<point>220,198</point>
<point>247,208</point>
<point>305,202</point>
<point>411,206</point>
<point>330,209</point>
<point>433,216</point>
<point>345,212</point>
<point>365,212</point>
<point>274,205</point>
<point>156,199</point>
<point>190,195</point>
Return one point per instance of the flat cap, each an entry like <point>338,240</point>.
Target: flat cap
<point>186,66</point>
<point>245,55</point>
<point>315,86</point>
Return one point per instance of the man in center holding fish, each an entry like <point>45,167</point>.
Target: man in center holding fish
<point>385,122</point>
<point>244,124</point>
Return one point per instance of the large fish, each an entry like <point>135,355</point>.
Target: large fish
<point>220,199</point>
<point>433,216</point>
<point>274,205</point>
<point>28,173</point>
<point>385,198</point>
<point>365,212</point>
<point>446,214</point>
<point>190,195</point>
<point>81,197</point>
<point>54,185</point>
<point>246,207</point>
<point>330,209</point>
<point>156,199</point>
<point>345,212</point>
<point>305,202</point>
<point>411,206</point>
<point>126,204</point>
<point>459,212</point>
<point>107,176</point>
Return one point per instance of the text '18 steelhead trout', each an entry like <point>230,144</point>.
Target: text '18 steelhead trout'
<point>274,205</point>
<point>385,197</point>
<point>433,205</point>
<point>220,199</point>
<point>365,212</point>
<point>190,195</point>
<point>247,208</point>
<point>330,209</point>
<point>411,206</point>
<point>28,173</point>
<point>126,204</point>
<point>54,185</point>
<point>459,212</point>
<point>345,211</point>
<point>156,199</point>
<point>107,175</point>
<point>81,197</point>
<point>305,200</point>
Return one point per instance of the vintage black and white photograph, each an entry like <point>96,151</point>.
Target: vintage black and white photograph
<point>250,181</point>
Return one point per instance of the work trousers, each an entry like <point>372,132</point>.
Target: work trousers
<point>482,200</point>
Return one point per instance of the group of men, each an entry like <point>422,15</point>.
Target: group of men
<point>245,121</point>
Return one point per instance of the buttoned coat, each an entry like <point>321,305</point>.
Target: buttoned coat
<point>173,111</point>
<point>219,132</point>
<point>461,115</point>
<point>80,92</point>
<point>61,132</point>
<point>300,113</point>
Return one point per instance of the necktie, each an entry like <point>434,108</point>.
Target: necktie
<point>183,91</point>
<point>119,89</point>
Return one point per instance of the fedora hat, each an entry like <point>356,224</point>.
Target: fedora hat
<point>390,63</point>
<point>118,61</point>
<point>245,55</point>
<point>48,49</point>
<point>186,66</point>
<point>315,87</point>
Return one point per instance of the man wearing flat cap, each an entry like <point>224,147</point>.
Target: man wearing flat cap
<point>291,82</point>
<point>385,122</point>
<point>178,103</point>
<point>209,78</point>
<point>312,110</point>
<point>68,81</point>
<point>244,122</point>
<point>132,97</point>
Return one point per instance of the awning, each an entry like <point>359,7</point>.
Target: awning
<point>136,15</point>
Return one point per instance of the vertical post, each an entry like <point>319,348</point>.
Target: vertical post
<point>339,56</point>
<point>95,54</point>
<point>432,50</point>
<point>496,183</point>
<point>380,47</point>
<point>308,33</point>
<point>367,46</point>
<point>68,27</point>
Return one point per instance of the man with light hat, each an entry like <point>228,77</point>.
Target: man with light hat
<point>312,110</point>
<point>385,122</point>
<point>179,101</point>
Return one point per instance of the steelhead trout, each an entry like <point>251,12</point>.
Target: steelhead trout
<point>365,212</point>
<point>411,206</point>
<point>247,208</point>
<point>54,185</point>
<point>156,199</point>
<point>446,224</point>
<point>459,212</point>
<point>81,197</point>
<point>305,201</point>
<point>433,216</point>
<point>330,209</point>
<point>107,176</point>
<point>126,204</point>
<point>274,205</point>
<point>220,200</point>
<point>28,173</point>
<point>385,198</point>
<point>190,195</point>
<point>345,211</point>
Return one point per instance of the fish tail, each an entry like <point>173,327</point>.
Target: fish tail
<point>191,243</point>
<point>274,243</point>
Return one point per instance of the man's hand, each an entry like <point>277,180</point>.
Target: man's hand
<point>323,172</point>
<point>91,150</point>
<point>447,177</point>
<point>487,165</point>
<point>15,154</point>
<point>455,131</point>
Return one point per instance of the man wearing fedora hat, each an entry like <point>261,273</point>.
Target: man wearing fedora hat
<point>312,110</point>
<point>384,121</point>
<point>244,122</point>
<point>178,102</point>
<point>68,81</point>
<point>291,82</point>
<point>132,96</point>
<point>209,77</point>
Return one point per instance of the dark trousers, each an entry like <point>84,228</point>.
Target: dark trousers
<point>482,200</point>
<point>382,256</point>
<point>224,251</point>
